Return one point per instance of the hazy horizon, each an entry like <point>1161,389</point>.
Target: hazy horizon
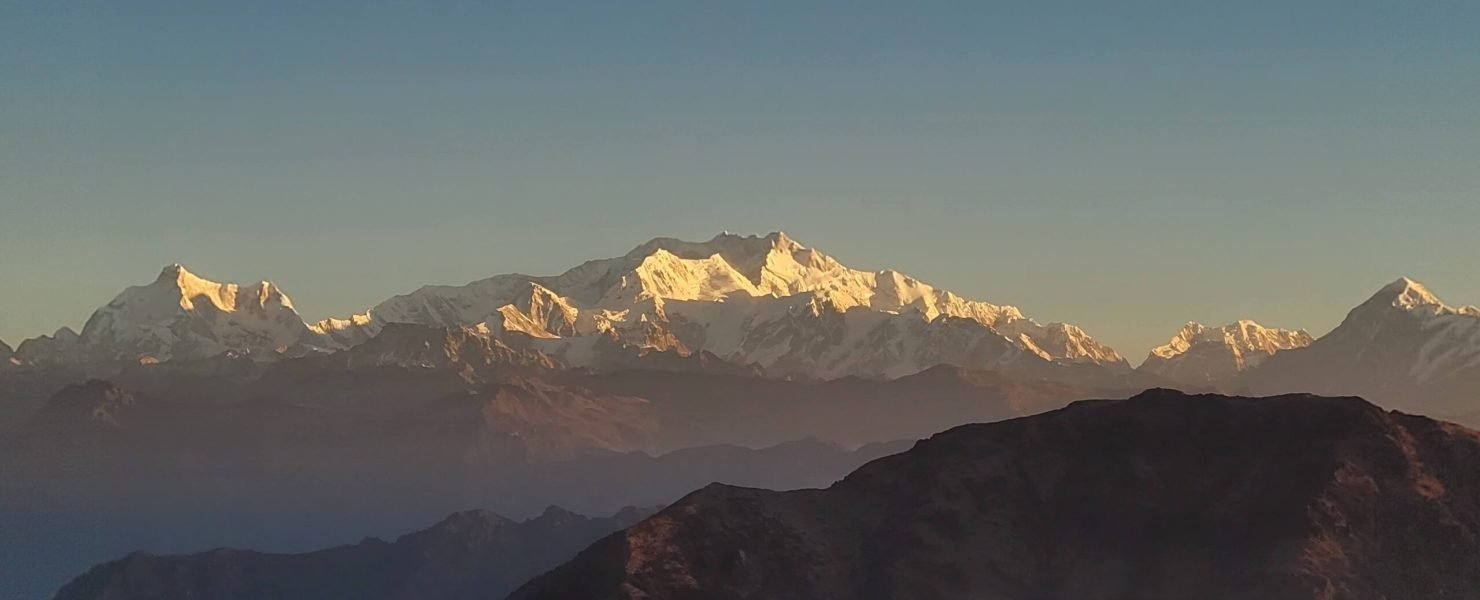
<point>1123,170</point>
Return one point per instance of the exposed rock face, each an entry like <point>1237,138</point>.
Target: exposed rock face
<point>476,554</point>
<point>1202,357</point>
<point>472,349</point>
<point>1403,348</point>
<point>1160,496</point>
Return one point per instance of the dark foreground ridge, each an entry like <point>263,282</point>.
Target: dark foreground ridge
<point>1164,495</point>
<point>475,554</point>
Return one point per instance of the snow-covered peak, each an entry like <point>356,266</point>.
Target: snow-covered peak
<point>1403,347</point>
<point>1408,294</point>
<point>1185,337</point>
<point>749,255</point>
<point>181,314</point>
<point>1411,297</point>
<point>731,244</point>
<point>175,282</point>
<point>721,296</point>
<point>1202,356</point>
<point>1242,335</point>
<point>777,265</point>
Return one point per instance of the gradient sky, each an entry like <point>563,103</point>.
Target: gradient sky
<point>1126,168</point>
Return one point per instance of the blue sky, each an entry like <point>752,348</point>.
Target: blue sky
<point>1126,168</point>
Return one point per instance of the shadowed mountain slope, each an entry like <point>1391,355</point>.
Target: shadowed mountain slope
<point>1161,496</point>
<point>475,554</point>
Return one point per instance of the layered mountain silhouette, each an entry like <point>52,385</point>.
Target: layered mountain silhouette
<point>435,421</point>
<point>698,408</point>
<point>360,408</point>
<point>474,554</point>
<point>295,461</point>
<point>1163,495</point>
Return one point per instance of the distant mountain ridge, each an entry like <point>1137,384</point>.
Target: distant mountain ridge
<point>473,554</point>
<point>335,411</point>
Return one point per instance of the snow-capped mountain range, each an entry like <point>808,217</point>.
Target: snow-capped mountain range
<point>769,304</point>
<point>1199,356</point>
<point>768,301</point>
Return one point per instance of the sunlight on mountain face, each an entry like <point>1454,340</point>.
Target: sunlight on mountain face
<point>767,301</point>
